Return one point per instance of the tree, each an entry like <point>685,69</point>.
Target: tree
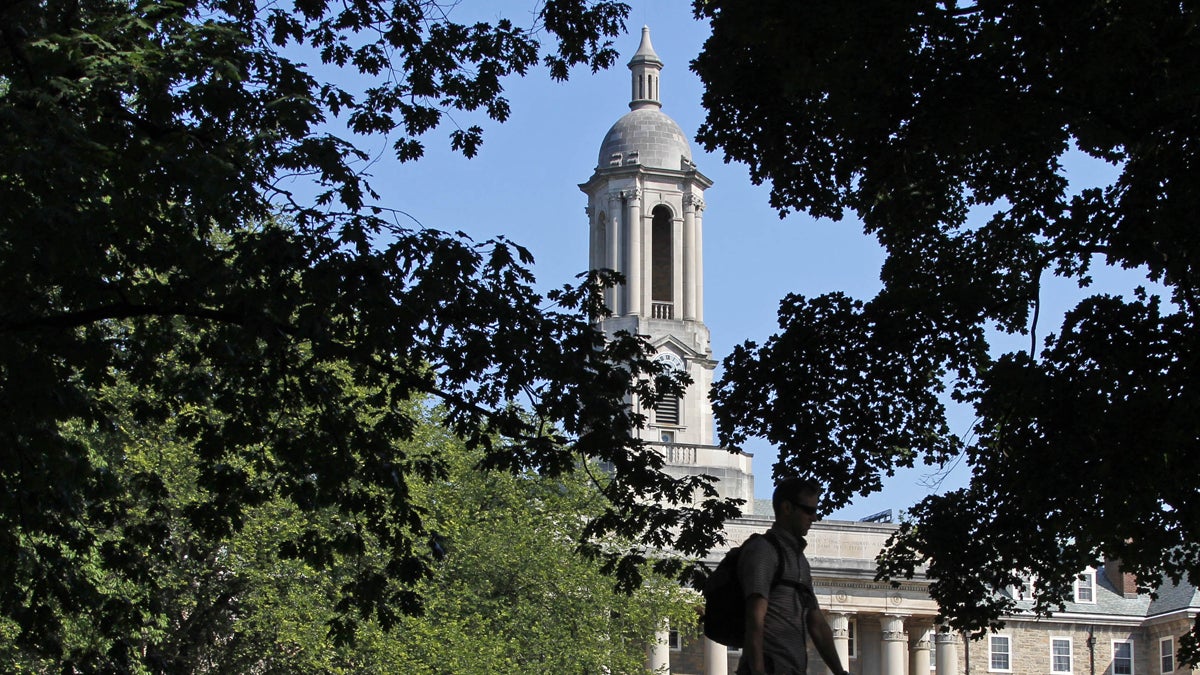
<point>944,127</point>
<point>510,594</point>
<point>180,600</point>
<point>148,238</point>
<point>509,591</point>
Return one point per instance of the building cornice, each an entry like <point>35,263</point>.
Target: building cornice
<point>638,170</point>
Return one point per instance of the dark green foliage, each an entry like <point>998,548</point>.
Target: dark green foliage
<point>150,242</point>
<point>913,116</point>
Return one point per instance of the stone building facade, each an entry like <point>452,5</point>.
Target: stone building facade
<point>885,630</point>
<point>877,628</point>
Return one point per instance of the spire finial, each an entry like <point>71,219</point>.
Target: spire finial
<point>645,66</point>
<point>645,50</point>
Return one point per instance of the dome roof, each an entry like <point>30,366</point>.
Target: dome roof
<point>656,139</point>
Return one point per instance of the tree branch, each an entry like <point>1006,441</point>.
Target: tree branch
<point>128,310</point>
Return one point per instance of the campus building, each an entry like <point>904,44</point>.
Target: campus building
<point>1108,628</point>
<point>645,211</point>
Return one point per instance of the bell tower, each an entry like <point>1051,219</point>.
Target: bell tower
<point>646,207</point>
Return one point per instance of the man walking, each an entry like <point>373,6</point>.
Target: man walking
<point>782,611</point>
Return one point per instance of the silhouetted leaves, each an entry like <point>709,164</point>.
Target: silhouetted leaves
<point>914,116</point>
<point>273,330</point>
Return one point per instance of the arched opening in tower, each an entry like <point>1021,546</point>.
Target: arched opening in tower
<point>662,261</point>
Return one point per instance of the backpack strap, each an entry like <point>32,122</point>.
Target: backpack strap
<point>778,576</point>
<point>808,598</point>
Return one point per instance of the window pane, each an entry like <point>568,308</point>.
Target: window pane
<point>1167,655</point>
<point>1084,587</point>
<point>1122,658</point>
<point>999,658</point>
<point>1060,660</point>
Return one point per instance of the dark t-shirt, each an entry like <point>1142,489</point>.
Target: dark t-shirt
<point>784,632</point>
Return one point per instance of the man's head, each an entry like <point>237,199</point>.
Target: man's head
<point>795,502</point>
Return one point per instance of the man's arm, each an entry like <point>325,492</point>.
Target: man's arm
<point>752,645</point>
<point>822,637</point>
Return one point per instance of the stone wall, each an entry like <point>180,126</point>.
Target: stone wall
<point>1030,647</point>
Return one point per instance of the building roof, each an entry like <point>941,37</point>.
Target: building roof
<point>1111,603</point>
<point>645,136</point>
<point>1174,598</point>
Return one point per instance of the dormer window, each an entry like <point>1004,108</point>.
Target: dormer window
<point>1023,590</point>
<point>1085,587</point>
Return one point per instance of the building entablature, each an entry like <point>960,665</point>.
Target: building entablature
<point>637,173</point>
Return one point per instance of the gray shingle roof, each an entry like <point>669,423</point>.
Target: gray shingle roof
<point>1171,598</point>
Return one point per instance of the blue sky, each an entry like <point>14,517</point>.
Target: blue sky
<point>523,185</point>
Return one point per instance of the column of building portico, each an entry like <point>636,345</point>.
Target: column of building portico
<point>658,655</point>
<point>895,645</point>
<point>840,625</point>
<point>919,658</point>
<point>633,267</point>
<point>716,658</point>
<point>947,653</point>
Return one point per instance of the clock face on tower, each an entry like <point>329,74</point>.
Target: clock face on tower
<point>670,360</point>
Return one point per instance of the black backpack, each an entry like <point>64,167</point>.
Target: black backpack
<point>724,605</point>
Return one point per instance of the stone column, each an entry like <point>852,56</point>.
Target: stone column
<point>689,257</point>
<point>947,653</point>
<point>678,258</point>
<point>658,655</point>
<point>716,658</point>
<point>919,664</point>
<point>613,252</point>
<point>595,246</point>
<point>840,624</point>
<point>635,233</point>
<point>895,645</point>
<point>698,205</point>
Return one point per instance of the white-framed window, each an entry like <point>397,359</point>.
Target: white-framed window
<point>1166,655</point>
<point>1122,657</point>
<point>674,642</point>
<point>1061,660</point>
<point>1024,591</point>
<point>1085,587</point>
<point>999,654</point>
<point>666,436</point>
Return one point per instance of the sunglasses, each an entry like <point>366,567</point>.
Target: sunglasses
<point>810,510</point>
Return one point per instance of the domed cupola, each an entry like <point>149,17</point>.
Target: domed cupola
<point>645,136</point>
